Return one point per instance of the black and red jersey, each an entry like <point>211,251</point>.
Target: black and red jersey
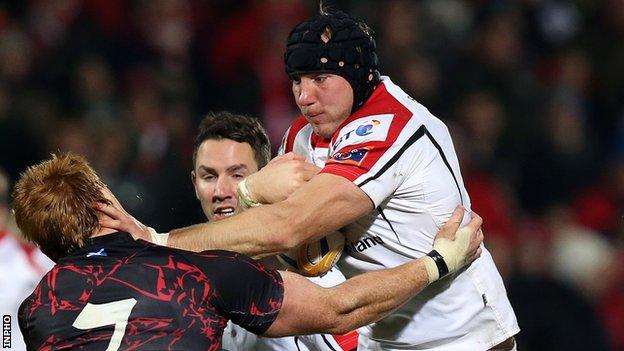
<point>121,294</point>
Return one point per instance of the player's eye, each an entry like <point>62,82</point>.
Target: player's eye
<point>239,176</point>
<point>320,78</point>
<point>295,80</point>
<point>209,177</point>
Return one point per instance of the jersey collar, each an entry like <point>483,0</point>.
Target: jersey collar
<point>365,109</point>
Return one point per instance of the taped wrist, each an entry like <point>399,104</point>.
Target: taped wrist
<point>431,268</point>
<point>244,197</point>
<point>158,238</point>
<point>454,253</point>
<point>440,264</point>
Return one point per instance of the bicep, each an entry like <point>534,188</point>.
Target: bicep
<point>306,308</point>
<point>326,203</point>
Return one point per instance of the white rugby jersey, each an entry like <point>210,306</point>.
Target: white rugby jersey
<point>21,268</point>
<point>403,158</point>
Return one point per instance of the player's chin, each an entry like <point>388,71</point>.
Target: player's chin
<point>324,130</point>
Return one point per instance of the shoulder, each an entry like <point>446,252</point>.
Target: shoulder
<point>385,115</point>
<point>389,98</point>
<point>209,256</point>
<point>183,260</point>
<point>298,124</point>
<point>296,127</point>
<point>223,262</point>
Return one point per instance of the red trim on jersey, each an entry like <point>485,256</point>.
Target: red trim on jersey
<point>28,249</point>
<point>348,341</point>
<point>381,102</point>
<point>295,127</point>
<point>319,141</point>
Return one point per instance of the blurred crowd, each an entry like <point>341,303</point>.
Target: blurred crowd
<point>532,90</point>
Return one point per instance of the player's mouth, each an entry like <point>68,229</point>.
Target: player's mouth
<point>224,212</point>
<point>316,118</point>
<point>313,115</point>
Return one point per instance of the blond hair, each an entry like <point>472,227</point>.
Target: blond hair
<point>54,204</point>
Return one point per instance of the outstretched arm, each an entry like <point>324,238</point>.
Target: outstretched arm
<point>320,206</point>
<point>323,205</point>
<point>368,297</point>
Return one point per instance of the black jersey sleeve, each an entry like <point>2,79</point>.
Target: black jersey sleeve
<point>22,320</point>
<point>248,293</point>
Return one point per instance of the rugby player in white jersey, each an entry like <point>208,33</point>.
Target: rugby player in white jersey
<point>228,148</point>
<point>390,175</point>
<point>360,126</point>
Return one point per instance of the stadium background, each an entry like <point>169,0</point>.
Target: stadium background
<point>532,90</point>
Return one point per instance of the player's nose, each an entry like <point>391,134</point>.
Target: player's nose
<point>307,93</point>
<point>224,189</point>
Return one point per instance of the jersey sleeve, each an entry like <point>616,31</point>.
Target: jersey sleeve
<point>370,152</point>
<point>249,294</point>
<point>22,319</point>
<point>288,140</point>
<point>283,148</point>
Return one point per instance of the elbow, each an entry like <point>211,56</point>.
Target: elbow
<point>342,328</point>
<point>280,241</point>
<point>290,230</point>
<point>285,239</point>
<point>341,324</point>
<point>341,317</point>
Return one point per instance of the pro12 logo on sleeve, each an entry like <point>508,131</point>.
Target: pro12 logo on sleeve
<point>370,128</point>
<point>351,157</point>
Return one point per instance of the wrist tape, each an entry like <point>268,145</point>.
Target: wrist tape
<point>447,255</point>
<point>158,238</point>
<point>244,197</point>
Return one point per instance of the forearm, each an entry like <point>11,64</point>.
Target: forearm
<point>366,298</point>
<point>310,213</point>
<point>308,308</point>
<point>369,297</point>
<point>256,232</point>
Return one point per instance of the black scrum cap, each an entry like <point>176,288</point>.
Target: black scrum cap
<point>335,43</point>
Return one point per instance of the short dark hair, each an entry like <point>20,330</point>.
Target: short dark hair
<point>55,204</point>
<point>240,128</point>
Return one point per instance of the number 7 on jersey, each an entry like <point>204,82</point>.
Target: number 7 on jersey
<point>99,315</point>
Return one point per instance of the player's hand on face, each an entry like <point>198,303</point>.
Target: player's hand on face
<point>280,178</point>
<point>116,218</point>
<point>459,246</point>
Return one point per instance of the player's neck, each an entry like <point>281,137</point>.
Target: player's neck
<point>104,231</point>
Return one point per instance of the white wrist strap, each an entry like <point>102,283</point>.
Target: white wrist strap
<point>432,269</point>
<point>244,197</point>
<point>158,238</point>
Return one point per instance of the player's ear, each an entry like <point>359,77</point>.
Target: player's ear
<point>193,180</point>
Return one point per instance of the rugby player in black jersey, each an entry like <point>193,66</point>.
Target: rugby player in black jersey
<point>109,292</point>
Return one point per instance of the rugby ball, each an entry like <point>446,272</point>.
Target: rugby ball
<point>315,258</point>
